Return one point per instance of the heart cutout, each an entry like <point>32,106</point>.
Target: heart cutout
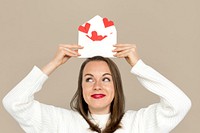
<point>107,23</point>
<point>85,28</point>
<point>96,37</point>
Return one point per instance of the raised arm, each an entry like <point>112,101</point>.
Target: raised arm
<point>165,115</point>
<point>160,117</point>
<point>63,54</point>
<point>31,115</point>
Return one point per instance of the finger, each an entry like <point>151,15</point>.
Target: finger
<point>122,54</point>
<point>118,49</point>
<point>70,49</point>
<point>71,52</point>
<point>124,45</point>
<point>121,47</point>
<point>72,55</point>
<point>72,46</point>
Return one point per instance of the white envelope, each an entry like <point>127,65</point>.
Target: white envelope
<point>98,35</point>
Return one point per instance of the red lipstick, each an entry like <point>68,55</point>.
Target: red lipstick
<point>98,96</point>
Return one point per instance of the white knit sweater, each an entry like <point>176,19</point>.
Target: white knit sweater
<point>35,117</point>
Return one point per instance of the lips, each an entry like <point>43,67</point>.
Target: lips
<point>98,96</point>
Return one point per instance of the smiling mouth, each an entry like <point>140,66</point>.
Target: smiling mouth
<point>98,96</point>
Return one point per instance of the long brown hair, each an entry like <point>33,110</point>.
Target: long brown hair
<point>117,105</point>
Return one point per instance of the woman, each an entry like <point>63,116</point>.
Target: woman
<point>98,104</point>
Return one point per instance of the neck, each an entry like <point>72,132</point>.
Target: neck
<point>99,111</point>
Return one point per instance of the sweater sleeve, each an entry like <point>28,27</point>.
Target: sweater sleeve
<point>161,117</point>
<point>31,115</point>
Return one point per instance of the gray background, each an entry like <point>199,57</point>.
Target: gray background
<point>166,33</point>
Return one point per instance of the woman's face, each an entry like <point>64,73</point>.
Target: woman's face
<point>98,88</point>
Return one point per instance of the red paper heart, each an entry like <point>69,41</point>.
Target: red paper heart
<point>107,23</point>
<point>85,28</point>
<point>96,37</point>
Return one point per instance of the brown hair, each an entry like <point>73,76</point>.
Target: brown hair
<point>117,105</point>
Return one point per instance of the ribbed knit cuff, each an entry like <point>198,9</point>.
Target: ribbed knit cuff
<point>138,66</point>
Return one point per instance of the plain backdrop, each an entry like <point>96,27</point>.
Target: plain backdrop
<point>167,34</point>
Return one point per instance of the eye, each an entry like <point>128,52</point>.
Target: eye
<point>89,80</point>
<point>106,79</point>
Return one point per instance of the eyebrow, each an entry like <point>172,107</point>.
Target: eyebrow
<point>107,74</point>
<point>88,74</point>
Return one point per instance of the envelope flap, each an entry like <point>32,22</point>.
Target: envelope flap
<point>98,35</point>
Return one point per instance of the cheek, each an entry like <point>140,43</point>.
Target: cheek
<point>111,91</point>
<point>113,94</point>
<point>86,92</point>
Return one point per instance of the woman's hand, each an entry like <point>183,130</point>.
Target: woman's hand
<point>127,51</point>
<point>63,54</point>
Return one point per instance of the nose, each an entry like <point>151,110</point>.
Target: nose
<point>97,85</point>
